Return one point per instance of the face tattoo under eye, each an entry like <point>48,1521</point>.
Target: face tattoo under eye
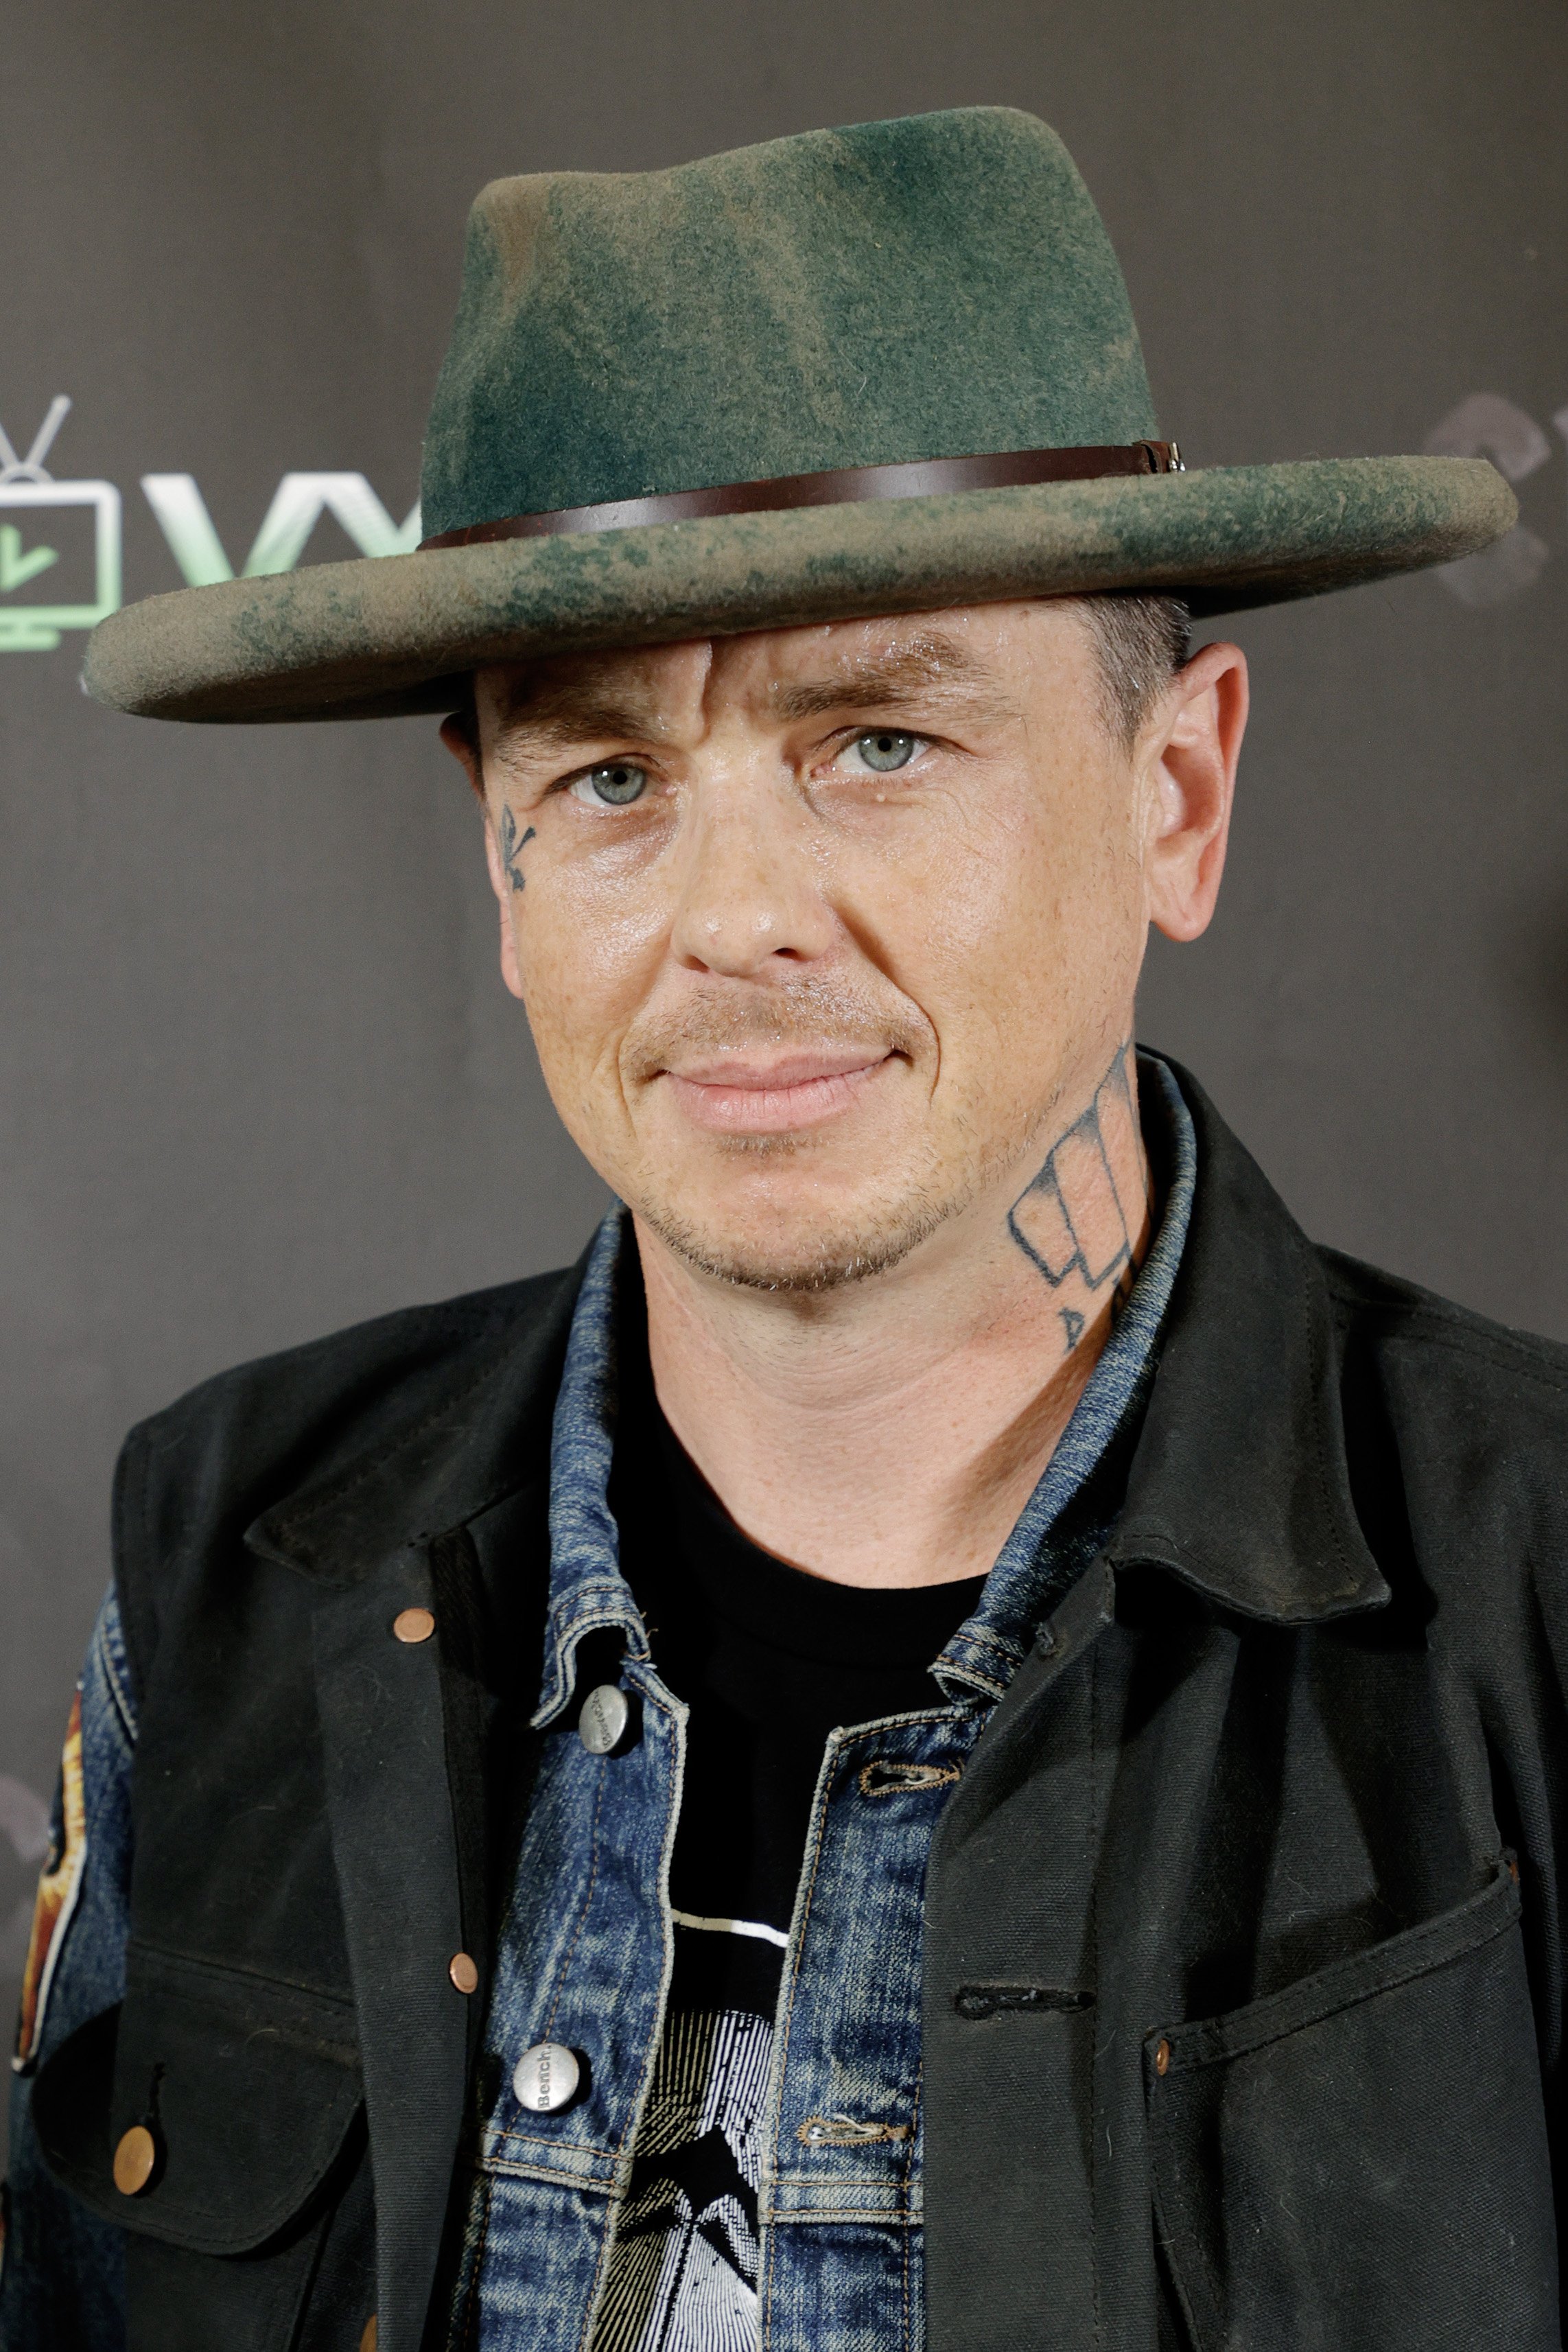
<point>615,784</point>
<point>886,749</point>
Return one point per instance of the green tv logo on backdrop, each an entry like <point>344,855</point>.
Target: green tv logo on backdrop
<point>60,541</point>
<point>59,546</point>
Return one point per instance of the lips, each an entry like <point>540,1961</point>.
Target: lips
<point>776,1094</point>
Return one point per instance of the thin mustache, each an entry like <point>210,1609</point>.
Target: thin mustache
<point>806,1014</point>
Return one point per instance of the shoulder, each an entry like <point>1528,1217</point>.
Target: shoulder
<point>1448,1347</point>
<point>194,1476</point>
<point>335,1391</point>
<point>1476,1415</point>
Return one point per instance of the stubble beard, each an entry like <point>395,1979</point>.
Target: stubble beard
<point>828,1256</point>
<point>813,1261</point>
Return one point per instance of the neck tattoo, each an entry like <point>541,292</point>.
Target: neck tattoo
<point>1079,1227</point>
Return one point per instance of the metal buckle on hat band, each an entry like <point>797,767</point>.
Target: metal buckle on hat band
<point>849,485</point>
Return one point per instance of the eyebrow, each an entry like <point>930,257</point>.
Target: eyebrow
<point>557,718</point>
<point>933,668</point>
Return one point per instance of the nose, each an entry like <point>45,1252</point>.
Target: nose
<point>750,885</point>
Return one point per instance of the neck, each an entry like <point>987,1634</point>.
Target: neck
<point>889,1433</point>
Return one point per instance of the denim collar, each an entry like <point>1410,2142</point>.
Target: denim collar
<point>1062,1527</point>
<point>1066,1520</point>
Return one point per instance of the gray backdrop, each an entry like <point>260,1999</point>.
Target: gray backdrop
<point>259,1077</point>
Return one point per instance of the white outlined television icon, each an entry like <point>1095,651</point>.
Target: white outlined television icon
<point>59,561</point>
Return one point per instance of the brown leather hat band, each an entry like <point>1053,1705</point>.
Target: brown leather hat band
<point>930,477</point>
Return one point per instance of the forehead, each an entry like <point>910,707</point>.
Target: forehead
<point>995,659</point>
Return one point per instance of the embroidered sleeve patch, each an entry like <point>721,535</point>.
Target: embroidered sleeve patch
<point>57,1890</point>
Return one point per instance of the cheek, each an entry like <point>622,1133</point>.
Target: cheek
<point>586,954</point>
<point>1015,925</point>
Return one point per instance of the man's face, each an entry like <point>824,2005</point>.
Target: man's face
<point>816,929</point>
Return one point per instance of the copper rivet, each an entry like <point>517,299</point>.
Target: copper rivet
<point>464,1973</point>
<point>413,1625</point>
<point>1162,2056</point>
<point>135,2160</point>
<point>367,2340</point>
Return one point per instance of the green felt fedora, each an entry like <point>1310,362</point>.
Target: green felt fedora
<point>882,369</point>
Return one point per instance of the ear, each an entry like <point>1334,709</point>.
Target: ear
<point>460,735</point>
<point>1187,760</point>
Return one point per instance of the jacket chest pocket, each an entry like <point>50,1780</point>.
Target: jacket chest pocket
<point>1359,2163</point>
<point>216,2118</point>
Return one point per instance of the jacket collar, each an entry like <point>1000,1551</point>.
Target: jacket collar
<point>1239,1484</point>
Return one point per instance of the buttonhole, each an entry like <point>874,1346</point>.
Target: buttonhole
<point>881,1778</point>
<point>140,2152</point>
<point>848,2131</point>
<point>999,1999</point>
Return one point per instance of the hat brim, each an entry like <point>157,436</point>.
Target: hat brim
<point>389,635</point>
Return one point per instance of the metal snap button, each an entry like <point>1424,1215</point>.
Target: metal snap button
<point>463,1970</point>
<point>413,1625</point>
<point>546,2077</point>
<point>602,1725</point>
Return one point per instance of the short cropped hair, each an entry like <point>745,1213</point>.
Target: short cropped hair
<point>1141,641</point>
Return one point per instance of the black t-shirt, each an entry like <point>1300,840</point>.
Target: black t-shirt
<point>768,1661</point>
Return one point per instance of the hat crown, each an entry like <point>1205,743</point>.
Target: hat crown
<point>937,286</point>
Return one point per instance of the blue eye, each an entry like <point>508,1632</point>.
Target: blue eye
<point>613,785</point>
<point>886,748</point>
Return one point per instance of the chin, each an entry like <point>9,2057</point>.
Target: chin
<point>805,1249</point>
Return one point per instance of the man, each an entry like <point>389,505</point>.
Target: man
<point>955,1737</point>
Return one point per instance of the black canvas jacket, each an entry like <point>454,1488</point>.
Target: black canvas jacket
<point>1244,1997</point>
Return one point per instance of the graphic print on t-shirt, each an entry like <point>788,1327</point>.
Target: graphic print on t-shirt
<point>684,2273</point>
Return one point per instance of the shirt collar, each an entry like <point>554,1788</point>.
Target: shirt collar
<point>1062,1526</point>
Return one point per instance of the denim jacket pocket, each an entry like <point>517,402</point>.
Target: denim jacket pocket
<point>210,2110</point>
<point>1359,2163</point>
